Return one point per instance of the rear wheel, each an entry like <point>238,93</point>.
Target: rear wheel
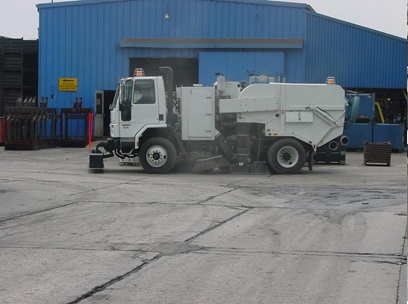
<point>157,155</point>
<point>286,156</point>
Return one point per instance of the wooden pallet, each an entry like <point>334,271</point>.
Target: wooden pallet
<point>376,153</point>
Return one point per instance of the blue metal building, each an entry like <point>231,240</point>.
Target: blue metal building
<point>95,42</point>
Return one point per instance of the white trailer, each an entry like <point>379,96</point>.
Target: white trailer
<point>277,126</point>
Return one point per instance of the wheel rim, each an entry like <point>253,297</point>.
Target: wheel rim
<point>156,156</point>
<point>288,157</point>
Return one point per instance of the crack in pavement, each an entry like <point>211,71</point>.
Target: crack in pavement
<point>400,270</point>
<point>401,262</point>
<point>399,284</point>
<point>35,212</point>
<point>169,250</point>
<point>61,206</point>
<point>173,248</point>
<point>217,225</point>
<point>215,196</point>
<point>184,248</point>
<point>119,278</point>
<point>390,258</point>
<point>92,190</point>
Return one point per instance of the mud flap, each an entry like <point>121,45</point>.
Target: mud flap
<point>310,160</point>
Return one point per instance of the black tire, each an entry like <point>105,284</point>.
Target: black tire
<point>286,156</point>
<point>271,171</point>
<point>157,155</point>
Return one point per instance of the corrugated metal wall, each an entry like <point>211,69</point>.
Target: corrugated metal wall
<point>82,39</point>
<point>356,56</point>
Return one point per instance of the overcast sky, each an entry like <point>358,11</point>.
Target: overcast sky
<point>19,18</point>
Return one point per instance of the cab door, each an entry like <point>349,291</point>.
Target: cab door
<point>139,106</point>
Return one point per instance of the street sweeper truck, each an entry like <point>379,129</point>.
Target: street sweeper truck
<point>275,127</point>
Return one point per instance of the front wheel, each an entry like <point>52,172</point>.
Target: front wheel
<point>157,155</point>
<point>286,156</point>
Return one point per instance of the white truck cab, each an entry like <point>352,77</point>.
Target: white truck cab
<point>138,102</point>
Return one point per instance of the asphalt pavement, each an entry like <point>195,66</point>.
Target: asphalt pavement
<point>69,235</point>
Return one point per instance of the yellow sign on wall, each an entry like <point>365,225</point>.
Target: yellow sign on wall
<point>68,84</point>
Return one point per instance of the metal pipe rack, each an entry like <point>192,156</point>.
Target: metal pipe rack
<point>81,116</point>
<point>30,128</point>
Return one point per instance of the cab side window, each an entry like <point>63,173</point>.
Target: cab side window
<point>144,92</point>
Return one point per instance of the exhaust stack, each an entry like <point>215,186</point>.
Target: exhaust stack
<point>168,83</point>
<point>344,140</point>
<point>333,145</point>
